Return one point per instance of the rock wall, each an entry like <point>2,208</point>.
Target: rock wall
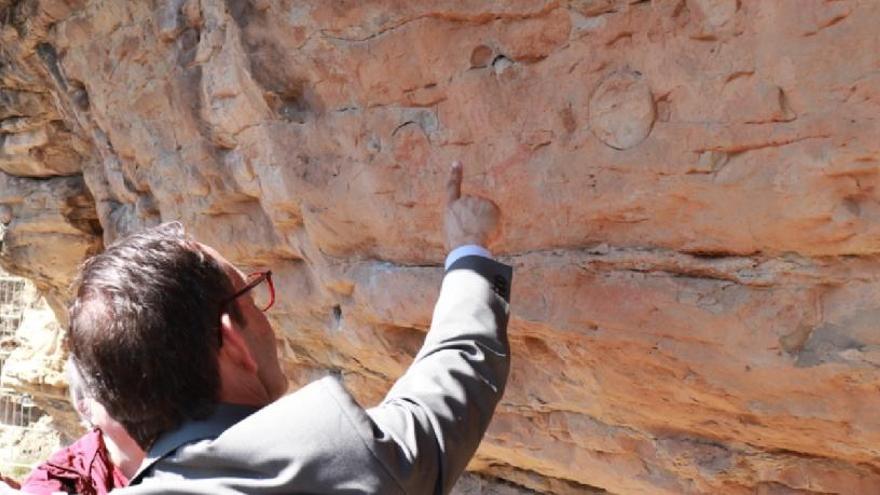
<point>689,190</point>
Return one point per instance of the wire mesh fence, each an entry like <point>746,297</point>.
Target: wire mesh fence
<point>18,410</point>
<point>21,431</point>
<point>12,305</point>
<point>11,290</point>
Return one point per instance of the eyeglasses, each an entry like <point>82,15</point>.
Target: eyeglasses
<point>263,294</point>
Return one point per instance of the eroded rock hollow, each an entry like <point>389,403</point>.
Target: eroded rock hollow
<point>689,190</point>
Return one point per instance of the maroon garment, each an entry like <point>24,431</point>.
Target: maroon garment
<point>83,467</point>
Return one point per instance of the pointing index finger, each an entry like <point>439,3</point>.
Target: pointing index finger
<point>453,186</point>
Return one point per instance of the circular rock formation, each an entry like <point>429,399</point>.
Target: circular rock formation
<point>622,110</point>
<point>481,56</point>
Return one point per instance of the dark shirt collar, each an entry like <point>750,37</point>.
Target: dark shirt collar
<point>224,416</point>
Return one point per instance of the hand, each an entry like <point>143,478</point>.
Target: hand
<point>468,219</point>
<point>8,486</point>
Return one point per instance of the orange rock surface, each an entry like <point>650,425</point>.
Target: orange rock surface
<point>689,190</point>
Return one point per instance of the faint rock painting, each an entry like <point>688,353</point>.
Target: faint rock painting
<point>622,110</point>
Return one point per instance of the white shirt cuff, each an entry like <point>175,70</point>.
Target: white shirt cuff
<point>466,250</point>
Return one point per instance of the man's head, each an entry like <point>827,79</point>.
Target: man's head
<point>146,329</point>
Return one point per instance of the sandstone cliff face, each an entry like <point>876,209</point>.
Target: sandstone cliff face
<point>689,190</point>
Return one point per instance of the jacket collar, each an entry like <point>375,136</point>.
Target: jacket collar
<point>224,416</point>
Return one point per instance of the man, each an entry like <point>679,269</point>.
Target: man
<point>102,459</point>
<point>172,339</point>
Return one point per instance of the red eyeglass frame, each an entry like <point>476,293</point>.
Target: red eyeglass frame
<point>261,276</point>
<point>259,279</point>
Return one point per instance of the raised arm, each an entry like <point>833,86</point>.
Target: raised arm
<point>431,422</point>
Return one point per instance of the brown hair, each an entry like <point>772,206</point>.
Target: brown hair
<point>144,330</point>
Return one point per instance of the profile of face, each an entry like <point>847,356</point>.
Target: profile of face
<point>256,331</point>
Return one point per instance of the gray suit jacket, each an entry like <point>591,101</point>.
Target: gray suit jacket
<point>319,440</point>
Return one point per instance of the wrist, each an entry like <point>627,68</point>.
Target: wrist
<point>466,250</point>
<point>465,240</point>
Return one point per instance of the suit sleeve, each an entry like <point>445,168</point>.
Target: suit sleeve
<point>431,422</point>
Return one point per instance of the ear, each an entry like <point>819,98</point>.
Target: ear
<point>83,407</point>
<point>235,349</point>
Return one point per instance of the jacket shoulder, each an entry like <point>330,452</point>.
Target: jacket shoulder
<point>311,441</point>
